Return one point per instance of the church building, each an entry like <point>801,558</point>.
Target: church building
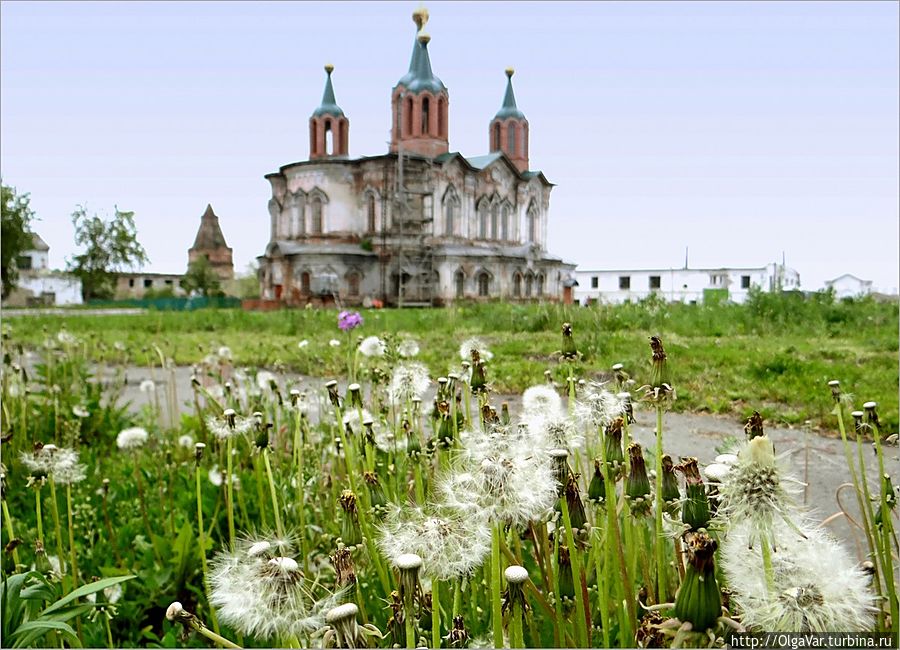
<point>419,225</point>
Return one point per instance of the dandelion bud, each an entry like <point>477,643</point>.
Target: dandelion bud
<point>612,445</point>
<point>835,387</point>
<point>294,395</point>
<point>560,461</point>
<point>175,611</point>
<point>754,426</point>
<point>376,493</point>
<point>577,516</point>
<point>569,351</point>
<point>597,488</point>
<point>888,501</point>
<point>333,393</point>
<point>198,452</point>
<point>698,600</point>
<point>354,394</point>
<point>342,561</point>
<point>566,579</point>
<point>409,565</point>
<point>695,511</point>
<point>670,494</point>
<point>637,483</point>
<point>871,414</point>
<point>858,421</point>
<point>262,437</point>
<point>659,375</point>
<point>504,413</point>
<point>458,636</point>
<point>478,385</point>
<point>351,534</point>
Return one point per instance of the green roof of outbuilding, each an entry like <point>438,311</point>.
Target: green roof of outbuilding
<point>480,162</point>
<point>509,108</point>
<point>329,104</point>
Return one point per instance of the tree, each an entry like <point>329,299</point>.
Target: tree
<point>110,248</point>
<point>247,285</point>
<point>201,278</point>
<point>15,237</point>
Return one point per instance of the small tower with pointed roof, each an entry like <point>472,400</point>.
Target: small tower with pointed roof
<point>509,128</point>
<point>420,103</point>
<point>329,128</point>
<point>210,243</point>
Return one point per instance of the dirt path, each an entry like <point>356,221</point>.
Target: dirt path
<point>819,461</point>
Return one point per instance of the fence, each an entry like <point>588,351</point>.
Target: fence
<point>172,304</point>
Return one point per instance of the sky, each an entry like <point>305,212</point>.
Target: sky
<point>742,132</point>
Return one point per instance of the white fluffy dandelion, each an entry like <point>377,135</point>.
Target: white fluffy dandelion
<point>408,348</point>
<point>451,544</point>
<point>817,587</point>
<point>61,465</point>
<point>302,344</point>
<point>224,353</point>
<point>597,406</point>
<point>335,343</point>
<point>372,346</point>
<point>541,400</point>
<point>186,441</point>
<point>465,350</point>
<point>259,590</point>
<point>147,386</point>
<point>216,478</point>
<point>229,425</point>
<point>265,380</point>
<point>65,338</point>
<point>80,411</point>
<point>409,381</point>
<point>554,431</point>
<point>132,438</point>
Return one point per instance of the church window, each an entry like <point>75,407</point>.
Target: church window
<point>316,216</point>
<point>449,217</point>
<point>370,213</point>
<point>353,284</point>
<point>409,116</point>
<point>304,283</point>
<point>496,144</point>
<point>460,280</point>
<point>482,221</point>
<point>426,114</point>
<point>529,281</point>
<point>517,285</point>
<point>511,139</point>
<point>329,138</point>
<point>484,284</point>
<point>495,222</point>
<point>442,120</point>
<point>540,284</point>
<point>532,223</point>
<point>504,224</point>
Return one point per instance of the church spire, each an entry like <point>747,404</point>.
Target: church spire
<point>508,131</point>
<point>420,101</point>
<point>329,128</point>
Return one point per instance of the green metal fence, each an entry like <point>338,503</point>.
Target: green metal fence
<point>171,304</point>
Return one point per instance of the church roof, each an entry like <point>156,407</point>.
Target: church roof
<point>38,244</point>
<point>509,108</point>
<point>329,104</point>
<point>420,76</point>
<point>209,236</point>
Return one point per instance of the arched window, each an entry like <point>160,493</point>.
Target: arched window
<point>329,139</point>
<point>316,210</point>
<point>409,115</point>
<point>442,121</point>
<point>370,213</point>
<point>529,280</point>
<point>540,285</point>
<point>504,223</point>
<point>484,284</point>
<point>532,223</point>
<point>483,221</point>
<point>495,221</point>
<point>496,144</point>
<point>426,114</point>
<point>304,283</point>
<point>459,279</point>
<point>297,222</point>
<point>450,217</point>
<point>353,283</point>
<point>517,285</point>
<point>511,139</point>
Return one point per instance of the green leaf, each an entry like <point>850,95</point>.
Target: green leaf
<point>31,631</point>
<point>84,591</point>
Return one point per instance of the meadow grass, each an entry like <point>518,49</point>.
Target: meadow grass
<point>772,355</point>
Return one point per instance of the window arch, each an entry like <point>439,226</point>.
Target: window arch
<point>275,214</point>
<point>304,283</point>
<point>298,227</point>
<point>353,281</point>
<point>409,115</point>
<point>459,279</point>
<point>426,114</point>
<point>370,212</point>
<point>511,139</point>
<point>496,145</point>
<point>495,221</point>
<point>484,284</point>
<point>329,138</point>
<point>529,281</point>
<point>483,220</point>
<point>532,223</point>
<point>539,288</point>
<point>506,211</point>
<point>442,119</point>
<point>451,211</point>
<point>517,285</point>
<point>316,215</point>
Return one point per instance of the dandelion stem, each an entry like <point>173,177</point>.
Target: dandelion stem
<point>582,634</point>
<point>516,637</point>
<point>201,532</point>
<point>109,638</point>
<point>601,587</point>
<point>200,628</point>
<point>660,541</point>
<point>229,490</point>
<point>767,564</point>
<point>57,529</point>
<point>10,533</point>
<point>72,555</point>
<point>435,613</point>
<point>257,469</point>
<point>278,527</point>
<point>496,596</point>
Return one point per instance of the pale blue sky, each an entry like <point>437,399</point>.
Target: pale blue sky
<point>740,130</point>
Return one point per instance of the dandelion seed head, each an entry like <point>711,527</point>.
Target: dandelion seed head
<point>60,464</point>
<point>334,343</point>
<point>132,438</point>
<point>265,380</point>
<point>80,411</point>
<point>465,350</point>
<point>174,610</point>
<point>302,344</point>
<point>516,574</point>
<point>597,406</point>
<point>185,441</point>
<point>409,381</point>
<point>372,346</point>
<point>223,429</point>
<point>224,353</point>
<point>541,399</point>
<point>408,348</point>
<point>717,471</point>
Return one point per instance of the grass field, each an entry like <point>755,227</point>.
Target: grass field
<point>773,355</point>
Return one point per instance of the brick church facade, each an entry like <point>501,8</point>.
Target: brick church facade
<point>419,224</point>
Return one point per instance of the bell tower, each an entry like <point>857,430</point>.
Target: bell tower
<point>509,129</point>
<point>329,128</point>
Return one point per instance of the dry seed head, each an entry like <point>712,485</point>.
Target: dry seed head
<point>408,562</point>
<point>516,574</point>
<point>341,612</point>
<point>174,611</point>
